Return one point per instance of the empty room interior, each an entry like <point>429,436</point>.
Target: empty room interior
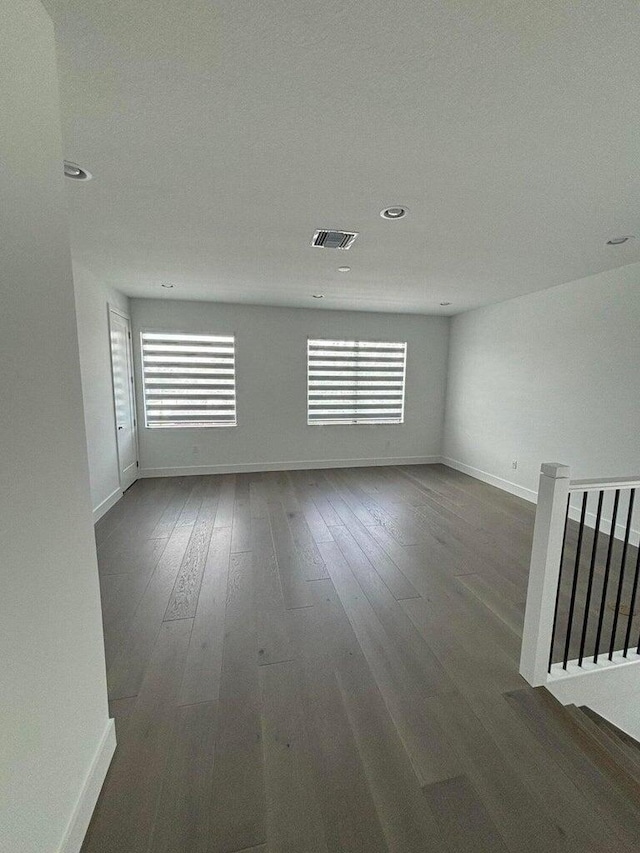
<point>320,410</point>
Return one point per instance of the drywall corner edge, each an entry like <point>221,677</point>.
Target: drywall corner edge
<point>81,815</point>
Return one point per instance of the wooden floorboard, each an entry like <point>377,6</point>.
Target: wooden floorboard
<point>126,810</point>
<point>294,820</point>
<point>237,801</point>
<point>319,661</point>
<point>134,644</point>
<point>184,598</point>
<point>324,639</point>
<point>203,669</point>
<point>183,807</point>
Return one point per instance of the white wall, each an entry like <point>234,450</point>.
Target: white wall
<point>271,347</point>
<point>53,701</point>
<point>92,301</point>
<point>549,377</point>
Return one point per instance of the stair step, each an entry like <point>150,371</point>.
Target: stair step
<point>592,768</point>
<point>630,744</point>
<point>611,743</point>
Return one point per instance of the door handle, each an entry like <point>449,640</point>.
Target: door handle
<point>120,427</point>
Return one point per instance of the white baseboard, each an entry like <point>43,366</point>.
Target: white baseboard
<point>303,465</point>
<point>106,504</point>
<point>81,815</point>
<point>499,482</point>
<point>530,495</point>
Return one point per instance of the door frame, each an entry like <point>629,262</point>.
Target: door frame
<point>120,312</point>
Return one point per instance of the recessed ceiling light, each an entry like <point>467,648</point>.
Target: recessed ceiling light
<point>75,172</point>
<point>318,295</point>
<point>396,211</point>
<point>168,286</point>
<point>344,269</point>
<point>618,241</point>
<point>444,304</point>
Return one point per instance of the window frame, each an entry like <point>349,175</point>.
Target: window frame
<point>355,421</point>
<point>194,335</point>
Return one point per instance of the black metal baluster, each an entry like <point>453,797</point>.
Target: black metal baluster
<point>631,606</point>
<point>623,560</point>
<point>592,568</point>
<point>555,611</point>
<point>574,585</point>
<point>607,568</point>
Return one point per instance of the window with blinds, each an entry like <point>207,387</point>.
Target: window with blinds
<point>189,380</point>
<point>355,382</point>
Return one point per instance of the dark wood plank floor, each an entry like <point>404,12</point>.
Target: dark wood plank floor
<point>318,661</point>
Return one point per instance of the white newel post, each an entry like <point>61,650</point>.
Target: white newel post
<point>553,493</point>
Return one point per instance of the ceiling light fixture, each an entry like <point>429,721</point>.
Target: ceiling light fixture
<point>344,269</point>
<point>618,241</point>
<point>396,211</point>
<point>75,172</point>
<point>168,286</point>
<point>444,304</point>
<point>318,295</point>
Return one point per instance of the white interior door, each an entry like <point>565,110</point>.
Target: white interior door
<point>123,397</point>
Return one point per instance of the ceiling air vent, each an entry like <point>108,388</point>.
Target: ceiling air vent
<point>334,239</point>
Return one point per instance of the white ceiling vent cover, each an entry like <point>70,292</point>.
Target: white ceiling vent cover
<point>325,239</point>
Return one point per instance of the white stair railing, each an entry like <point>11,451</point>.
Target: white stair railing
<point>544,572</point>
<point>583,578</point>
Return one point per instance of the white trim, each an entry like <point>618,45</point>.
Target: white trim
<point>530,495</point>
<point>499,482</point>
<point>86,803</point>
<point>131,389</point>
<point>117,310</point>
<point>107,503</point>
<point>606,484</point>
<point>303,465</point>
<point>588,667</point>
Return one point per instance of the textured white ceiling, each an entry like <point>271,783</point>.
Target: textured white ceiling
<point>222,134</point>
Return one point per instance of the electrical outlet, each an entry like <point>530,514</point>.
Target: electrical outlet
<point>514,464</point>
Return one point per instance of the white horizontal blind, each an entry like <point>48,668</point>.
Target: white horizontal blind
<point>189,380</point>
<point>355,382</point>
